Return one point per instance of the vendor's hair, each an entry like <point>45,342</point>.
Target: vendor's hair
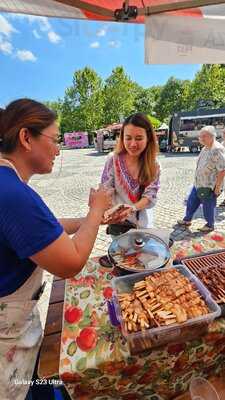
<point>22,113</point>
<point>147,159</point>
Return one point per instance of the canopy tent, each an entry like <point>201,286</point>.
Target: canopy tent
<point>176,30</point>
<point>107,10</point>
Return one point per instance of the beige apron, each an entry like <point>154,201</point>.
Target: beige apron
<point>20,336</point>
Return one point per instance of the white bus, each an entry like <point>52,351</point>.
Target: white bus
<point>185,126</point>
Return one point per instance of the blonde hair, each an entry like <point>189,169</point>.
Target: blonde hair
<point>147,160</point>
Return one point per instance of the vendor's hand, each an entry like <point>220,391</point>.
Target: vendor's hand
<point>100,199</point>
<point>110,190</point>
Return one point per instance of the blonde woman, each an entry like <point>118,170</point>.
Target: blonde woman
<point>133,171</point>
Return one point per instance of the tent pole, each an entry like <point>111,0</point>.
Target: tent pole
<point>105,12</point>
<point>182,5</point>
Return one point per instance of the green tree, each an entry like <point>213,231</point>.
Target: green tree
<point>119,96</point>
<point>145,101</point>
<point>155,122</point>
<point>55,106</point>
<point>83,102</point>
<point>209,85</point>
<point>171,98</point>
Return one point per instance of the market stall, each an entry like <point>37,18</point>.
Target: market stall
<point>76,140</point>
<point>94,355</point>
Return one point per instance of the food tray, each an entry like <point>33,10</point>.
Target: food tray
<point>213,261</point>
<point>153,337</point>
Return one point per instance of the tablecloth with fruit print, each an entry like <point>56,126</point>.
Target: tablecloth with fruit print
<point>95,362</point>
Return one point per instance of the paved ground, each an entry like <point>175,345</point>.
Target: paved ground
<point>66,192</point>
<point>66,189</point>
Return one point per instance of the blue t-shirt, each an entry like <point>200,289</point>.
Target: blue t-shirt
<point>27,226</point>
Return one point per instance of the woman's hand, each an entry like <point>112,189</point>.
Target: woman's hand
<point>100,199</point>
<point>119,215</point>
<point>127,212</point>
<point>217,190</point>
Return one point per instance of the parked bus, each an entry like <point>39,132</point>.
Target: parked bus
<point>184,127</point>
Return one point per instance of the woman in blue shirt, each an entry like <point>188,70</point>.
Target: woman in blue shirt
<point>31,236</point>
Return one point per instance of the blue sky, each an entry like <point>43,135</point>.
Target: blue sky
<point>39,55</point>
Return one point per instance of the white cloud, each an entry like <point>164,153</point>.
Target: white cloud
<point>43,26</point>
<point>6,47</point>
<point>115,44</point>
<point>54,37</point>
<point>5,27</point>
<point>26,55</point>
<point>101,32</point>
<point>95,45</point>
<point>43,22</point>
<point>36,34</point>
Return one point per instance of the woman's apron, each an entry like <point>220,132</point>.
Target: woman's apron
<point>20,338</point>
<point>20,334</point>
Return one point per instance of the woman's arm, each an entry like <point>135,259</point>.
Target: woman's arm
<point>149,197</point>
<point>148,200</point>
<point>66,256</point>
<point>142,203</point>
<point>71,225</point>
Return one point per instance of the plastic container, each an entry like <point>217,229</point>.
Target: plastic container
<point>192,328</point>
<point>201,389</point>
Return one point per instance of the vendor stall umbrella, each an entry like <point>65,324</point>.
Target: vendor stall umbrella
<point>177,31</point>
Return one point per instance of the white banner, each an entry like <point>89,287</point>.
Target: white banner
<point>171,39</point>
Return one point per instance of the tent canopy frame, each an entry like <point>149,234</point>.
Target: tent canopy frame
<point>128,12</point>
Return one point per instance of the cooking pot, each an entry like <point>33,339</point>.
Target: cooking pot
<point>138,251</point>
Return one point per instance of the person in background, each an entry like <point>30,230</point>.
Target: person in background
<point>133,171</point>
<point>223,143</point>
<point>32,239</point>
<point>209,176</point>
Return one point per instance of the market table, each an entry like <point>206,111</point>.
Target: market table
<point>98,363</point>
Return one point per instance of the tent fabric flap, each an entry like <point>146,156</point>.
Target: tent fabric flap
<point>171,39</point>
<point>191,32</point>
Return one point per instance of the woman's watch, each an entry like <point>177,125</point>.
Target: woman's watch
<point>134,208</point>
